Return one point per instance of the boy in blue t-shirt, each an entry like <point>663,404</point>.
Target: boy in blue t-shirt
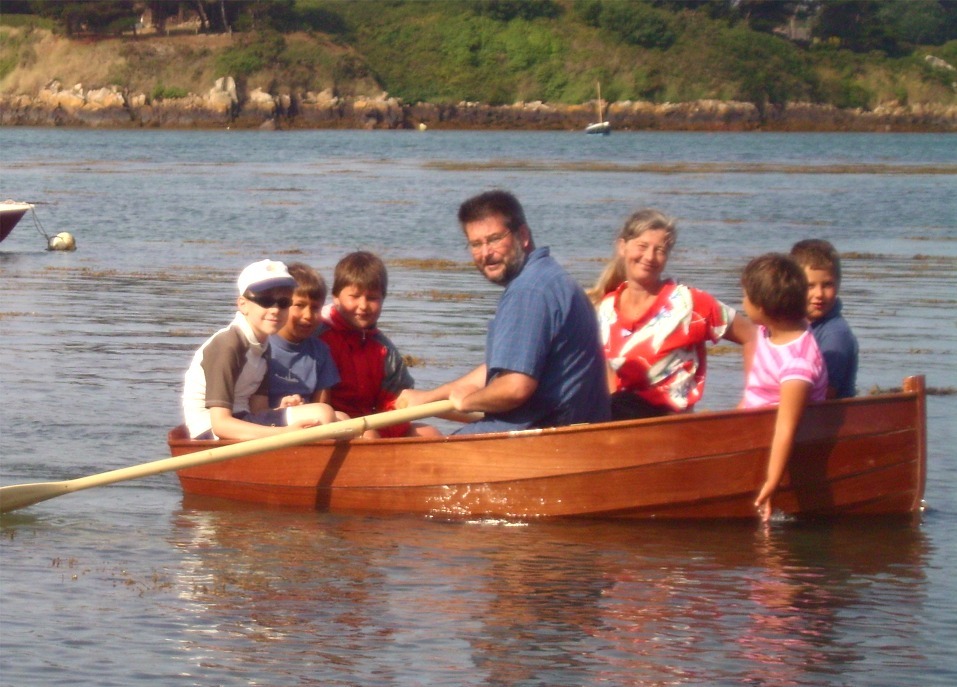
<point>301,368</point>
<point>822,267</point>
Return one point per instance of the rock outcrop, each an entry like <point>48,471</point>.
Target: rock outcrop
<point>224,105</point>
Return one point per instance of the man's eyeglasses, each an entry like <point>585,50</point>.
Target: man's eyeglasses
<point>266,301</point>
<point>493,241</point>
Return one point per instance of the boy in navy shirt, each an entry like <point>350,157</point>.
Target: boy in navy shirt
<point>822,266</point>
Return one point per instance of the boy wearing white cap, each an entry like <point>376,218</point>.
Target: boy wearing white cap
<point>225,395</point>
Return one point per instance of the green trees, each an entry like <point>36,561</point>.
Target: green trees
<point>506,10</point>
<point>894,27</point>
<point>633,22</point>
<point>769,71</point>
<point>767,15</point>
<point>102,17</point>
<point>864,52</point>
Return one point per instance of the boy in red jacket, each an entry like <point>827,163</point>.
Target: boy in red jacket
<point>371,370</point>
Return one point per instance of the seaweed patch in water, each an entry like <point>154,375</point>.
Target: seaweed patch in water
<point>854,255</point>
<point>931,390</point>
<point>724,350</point>
<point>943,259</point>
<point>436,295</point>
<point>689,168</point>
<point>931,238</point>
<point>87,272</point>
<point>155,582</point>
<point>429,264</point>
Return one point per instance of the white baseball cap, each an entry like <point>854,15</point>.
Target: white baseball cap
<point>264,275</point>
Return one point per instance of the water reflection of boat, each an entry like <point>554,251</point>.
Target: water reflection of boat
<point>602,126</point>
<point>11,212</point>
<point>860,456</point>
<point>783,601</point>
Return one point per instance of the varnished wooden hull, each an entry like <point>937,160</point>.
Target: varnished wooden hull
<point>862,456</point>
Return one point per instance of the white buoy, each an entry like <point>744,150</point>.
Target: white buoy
<point>62,241</point>
<point>423,126</point>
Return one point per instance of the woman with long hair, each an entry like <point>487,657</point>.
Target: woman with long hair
<point>654,329</point>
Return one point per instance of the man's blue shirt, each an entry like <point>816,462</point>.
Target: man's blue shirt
<point>545,327</point>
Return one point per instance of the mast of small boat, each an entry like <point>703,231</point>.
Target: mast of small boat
<point>598,86</point>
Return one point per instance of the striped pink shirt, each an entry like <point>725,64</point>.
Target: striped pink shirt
<point>774,364</point>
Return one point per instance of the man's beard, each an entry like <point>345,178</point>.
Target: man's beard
<point>513,267</point>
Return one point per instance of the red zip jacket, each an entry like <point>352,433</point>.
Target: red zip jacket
<point>371,371</point>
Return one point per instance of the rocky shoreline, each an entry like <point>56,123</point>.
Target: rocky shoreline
<point>225,107</point>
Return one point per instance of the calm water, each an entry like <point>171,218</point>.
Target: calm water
<point>131,585</point>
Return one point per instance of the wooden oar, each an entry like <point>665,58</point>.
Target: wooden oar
<point>21,495</point>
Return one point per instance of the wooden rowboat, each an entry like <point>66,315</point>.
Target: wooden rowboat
<point>860,456</point>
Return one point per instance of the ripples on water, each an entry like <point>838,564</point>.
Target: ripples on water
<point>132,585</point>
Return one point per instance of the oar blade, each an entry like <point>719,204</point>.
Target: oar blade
<point>22,495</point>
<point>18,496</point>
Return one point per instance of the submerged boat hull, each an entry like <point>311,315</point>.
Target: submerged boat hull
<point>863,456</point>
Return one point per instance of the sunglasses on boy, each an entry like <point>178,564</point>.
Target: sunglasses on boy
<point>267,301</point>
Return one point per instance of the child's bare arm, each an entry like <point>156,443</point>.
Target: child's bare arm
<point>611,377</point>
<point>225,426</point>
<point>743,331</point>
<point>794,396</point>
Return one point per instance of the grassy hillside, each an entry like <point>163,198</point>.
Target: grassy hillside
<point>457,50</point>
<point>449,51</point>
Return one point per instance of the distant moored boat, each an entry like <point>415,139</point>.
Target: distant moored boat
<point>601,126</point>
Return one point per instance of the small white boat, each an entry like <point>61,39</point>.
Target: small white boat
<point>602,126</point>
<point>11,212</point>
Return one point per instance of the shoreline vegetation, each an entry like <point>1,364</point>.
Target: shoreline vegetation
<point>457,65</point>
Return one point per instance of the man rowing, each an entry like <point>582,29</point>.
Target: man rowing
<point>544,365</point>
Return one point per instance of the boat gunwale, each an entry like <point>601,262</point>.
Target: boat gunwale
<point>582,428</point>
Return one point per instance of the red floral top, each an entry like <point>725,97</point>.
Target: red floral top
<point>661,357</point>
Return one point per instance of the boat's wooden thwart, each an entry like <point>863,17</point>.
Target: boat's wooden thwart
<point>860,456</point>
